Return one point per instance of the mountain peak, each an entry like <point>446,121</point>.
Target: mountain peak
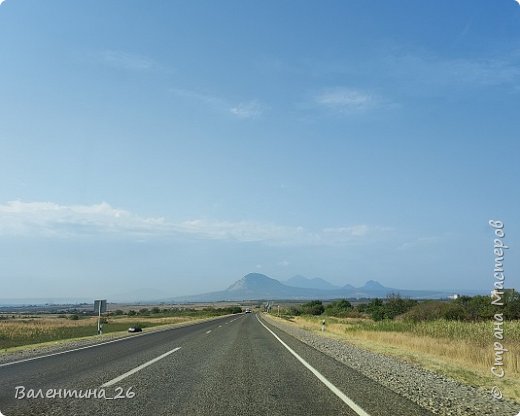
<point>373,285</point>
<point>252,281</point>
<point>305,282</point>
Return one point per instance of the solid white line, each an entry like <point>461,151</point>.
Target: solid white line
<point>101,343</point>
<point>74,349</point>
<point>136,369</point>
<point>320,377</point>
<point>207,332</point>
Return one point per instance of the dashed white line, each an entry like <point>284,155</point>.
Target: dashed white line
<point>207,332</point>
<point>136,369</point>
<point>320,377</point>
<point>90,346</point>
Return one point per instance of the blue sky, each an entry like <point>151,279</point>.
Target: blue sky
<point>177,146</point>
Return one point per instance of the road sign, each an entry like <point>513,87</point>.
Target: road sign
<point>100,306</point>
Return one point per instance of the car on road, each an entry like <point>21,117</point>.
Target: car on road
<point>248,310</point>
<point>135,328</point>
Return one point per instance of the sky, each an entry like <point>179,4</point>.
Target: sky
<point>171,147</point>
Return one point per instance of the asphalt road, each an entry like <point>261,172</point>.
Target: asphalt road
<point>229,366</point>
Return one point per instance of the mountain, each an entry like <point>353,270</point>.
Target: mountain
<point>372,285</point>
<point>305,282</point>
<point>256,286</point>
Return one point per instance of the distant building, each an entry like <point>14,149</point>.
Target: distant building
<point>454,296</point>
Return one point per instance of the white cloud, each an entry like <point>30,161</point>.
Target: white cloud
<point>1,1</point>
<point>347,100</point>
<point>48,219</point>
<point>251,109</point>
<point>518,1</point>
<point>354,231</point>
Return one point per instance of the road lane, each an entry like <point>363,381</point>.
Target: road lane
<point>232,366</point>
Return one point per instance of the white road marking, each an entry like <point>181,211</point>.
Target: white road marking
<point>136,369</point>
<point>320,377</point>
<point>220,326</point>
<point>94,345</point>
<point>207,332</point>
<point>75,349</point>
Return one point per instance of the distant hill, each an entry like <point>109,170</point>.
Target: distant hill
<point>255,286</point>
<point>305,282</point>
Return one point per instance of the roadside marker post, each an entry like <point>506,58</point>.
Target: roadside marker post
<point>100,306</point>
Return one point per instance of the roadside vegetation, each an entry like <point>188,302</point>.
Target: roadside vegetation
<point>18,330</point>
<point>454,338</point>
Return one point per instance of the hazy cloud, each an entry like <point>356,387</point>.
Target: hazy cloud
<point>48,219</point>
<point>421,241</point>
<point>251,109</point>
<point>128,61</point>
<point>348,100</point>
<point>426,73</point>
<point>198,96</point>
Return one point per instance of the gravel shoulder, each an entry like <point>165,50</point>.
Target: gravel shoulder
<point>437,393</point>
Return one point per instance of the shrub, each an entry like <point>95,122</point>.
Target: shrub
<point>512,305</point>
<point>427,311</point>
<point>340,308</point>
<point>314,307</point>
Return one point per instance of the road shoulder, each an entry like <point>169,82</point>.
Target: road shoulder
<point>434,392</point>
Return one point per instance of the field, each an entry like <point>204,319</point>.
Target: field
<point>21,329</point>
<point>460,350</point>
<point>34,329</point>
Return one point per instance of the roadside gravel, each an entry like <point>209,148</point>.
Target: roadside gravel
<point>439,394</point>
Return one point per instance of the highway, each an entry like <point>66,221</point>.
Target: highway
<point>236,365</point>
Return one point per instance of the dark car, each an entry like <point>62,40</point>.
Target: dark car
<point>136,328</point>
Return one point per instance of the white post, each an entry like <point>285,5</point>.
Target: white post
<point>99,319</point>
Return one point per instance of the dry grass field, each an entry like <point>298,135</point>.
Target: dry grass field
<point>460,350</point>
<point>27,330</point>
